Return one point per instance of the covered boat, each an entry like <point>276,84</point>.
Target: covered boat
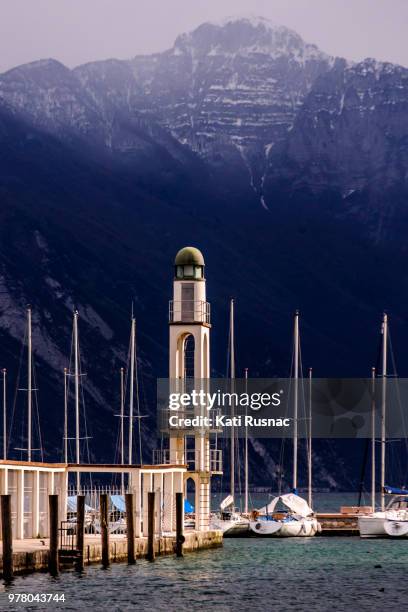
<point>298,521</point>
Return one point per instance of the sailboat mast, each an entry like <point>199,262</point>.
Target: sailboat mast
<point>383,404</point>
<point>246,451</point>
<point>373,439</point>
<point>295,401</point>
<point>65,415</point>
<point>29,386</point>
<point>76,376</point>
<point>4,415</point>
<point>122,415</point>
<point>232,375</point>
<point>309,446</point>
<point>131,394</point>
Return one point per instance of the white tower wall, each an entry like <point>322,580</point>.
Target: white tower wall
<point>189,316</point>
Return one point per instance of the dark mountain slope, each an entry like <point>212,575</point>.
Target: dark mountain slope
<point>351,137</point>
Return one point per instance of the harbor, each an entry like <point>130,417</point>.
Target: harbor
<point>203,322</point>
<point>60,516</point>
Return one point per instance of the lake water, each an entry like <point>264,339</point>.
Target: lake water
<point>298,574</point>
<point>249,574</point>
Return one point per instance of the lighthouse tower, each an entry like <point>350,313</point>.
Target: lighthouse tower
<point>189,367</point>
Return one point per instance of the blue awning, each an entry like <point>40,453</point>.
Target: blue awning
<point>119,502</point>
<point>395,491</point>
<point>187,506</point>
<point>72,504</point>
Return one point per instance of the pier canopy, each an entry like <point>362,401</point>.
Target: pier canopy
<point>189,264</point>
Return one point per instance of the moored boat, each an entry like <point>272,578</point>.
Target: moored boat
<point>297,522</point>
<point>229,520</point>
<point>390,523</point>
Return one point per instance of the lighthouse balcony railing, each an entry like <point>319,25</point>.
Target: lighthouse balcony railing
<point>191,458</point>
<point>189,311</point>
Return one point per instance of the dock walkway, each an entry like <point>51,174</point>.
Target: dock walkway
<point>32,554</point>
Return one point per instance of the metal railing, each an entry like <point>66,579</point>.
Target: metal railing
<point>189,311</point>
<point>191,458</point>
<point>67,534</point>
<point>116,509</point>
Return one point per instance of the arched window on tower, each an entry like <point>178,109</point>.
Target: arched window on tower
<point>189,350</point>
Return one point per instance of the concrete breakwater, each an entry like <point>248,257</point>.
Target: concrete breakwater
<point>33,555</point>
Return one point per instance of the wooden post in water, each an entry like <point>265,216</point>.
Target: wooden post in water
<point>179,525</point>
<point>80,531</point>
<point>7,537</point>
<point>130,530</point>
<point>150,525</point>
<point>53,518</point>
<point>103,507</point>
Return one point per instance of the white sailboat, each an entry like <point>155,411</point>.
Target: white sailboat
<point>298,520</point>
<point>229,520</point>
<point>390,520</point>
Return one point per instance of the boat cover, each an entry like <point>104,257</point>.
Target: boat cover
<point>119,502</point>
<point>72,504</point>
<point>228,501</point>
<point>297,504</point>
<point>395,491</point>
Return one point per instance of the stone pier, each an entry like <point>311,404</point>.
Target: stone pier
<point>32,555</point>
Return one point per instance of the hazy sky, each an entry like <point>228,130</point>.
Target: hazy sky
<point>77,31</point>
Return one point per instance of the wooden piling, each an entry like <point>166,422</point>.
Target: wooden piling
<point>103,507</point>
<point>150,525</point>
<point>7,537</point>
<point>53,551</point>
<point>80,530</point>
<point>179,525</point>
<point>130,529</point>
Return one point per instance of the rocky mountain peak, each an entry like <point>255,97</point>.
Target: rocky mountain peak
<point>44,73</point>
<point>246,36</point>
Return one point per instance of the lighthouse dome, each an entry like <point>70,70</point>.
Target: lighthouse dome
<point>189,264</point>
<point>189,256</point>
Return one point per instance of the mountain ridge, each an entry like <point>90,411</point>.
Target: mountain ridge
<point>234,111</point>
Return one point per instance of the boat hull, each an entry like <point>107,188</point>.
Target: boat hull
<point>382,527</point>
<point>304,528</point>
<point>231,529</point>
<point>265,529</point>
<point>240,530</point>
<point>285,529</point>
